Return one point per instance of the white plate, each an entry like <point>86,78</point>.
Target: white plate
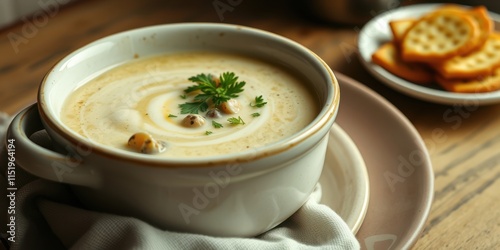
<point>344,180</point>
<point>398,165</point>
<point>377,31</point>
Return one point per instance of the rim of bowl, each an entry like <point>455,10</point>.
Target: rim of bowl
<point>325,117</point>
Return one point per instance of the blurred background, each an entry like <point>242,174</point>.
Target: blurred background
<point>334,11</point>
<point>360,11</point>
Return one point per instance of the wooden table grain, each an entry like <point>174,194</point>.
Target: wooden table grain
<point>463,141</point>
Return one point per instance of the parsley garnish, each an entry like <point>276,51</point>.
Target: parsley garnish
<point>236,121</point>
<point>183,96</point>
<point>173,116</point>
<point>193,107</point>
<point>216,124</point>
<point>255,114</point>
<point>227,88</point>
<point>259,102</point>
<point>208,132</point>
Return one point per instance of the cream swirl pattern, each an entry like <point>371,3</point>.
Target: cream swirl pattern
<point>144,96</point>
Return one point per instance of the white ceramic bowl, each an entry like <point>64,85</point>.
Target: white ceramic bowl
<point>240,194</point>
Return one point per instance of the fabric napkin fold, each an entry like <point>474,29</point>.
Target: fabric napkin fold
<point>48,216</point>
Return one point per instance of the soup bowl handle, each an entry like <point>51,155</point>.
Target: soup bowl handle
<point>42,162</point>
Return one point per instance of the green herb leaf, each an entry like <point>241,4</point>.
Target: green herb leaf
<point>230,86</point>
<point>193,107</point>
<point>208,132</point>
<point>214,91</point>
<point>259,102</point>
<point>171,115</point>
<point>255,114</point>
<point>236,121</point>
<point>183,96</point>
<point>216,124</point>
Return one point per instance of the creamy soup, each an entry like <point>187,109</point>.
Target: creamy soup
<point>144,96</point>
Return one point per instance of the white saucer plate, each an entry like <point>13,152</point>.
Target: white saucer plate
<point>377,31</point>
<point>344,180</point>
<point>401,181</point>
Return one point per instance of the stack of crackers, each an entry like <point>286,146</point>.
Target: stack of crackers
<point>453,46</point>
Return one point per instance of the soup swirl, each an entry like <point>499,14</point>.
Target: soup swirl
<point>144,96</point>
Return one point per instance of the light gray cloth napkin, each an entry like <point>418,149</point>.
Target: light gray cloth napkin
<point>48,216</point>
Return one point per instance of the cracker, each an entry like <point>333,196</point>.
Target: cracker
<point>478,85</point>
<point>486,25</point>
<point>480,62</point>
<point>439,36</point>
<point>479,14</point>
<point>453,46</point>
<point>399,28</point>
<point>387,56</point>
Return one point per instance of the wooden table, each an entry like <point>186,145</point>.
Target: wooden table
<point>466,160</point>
